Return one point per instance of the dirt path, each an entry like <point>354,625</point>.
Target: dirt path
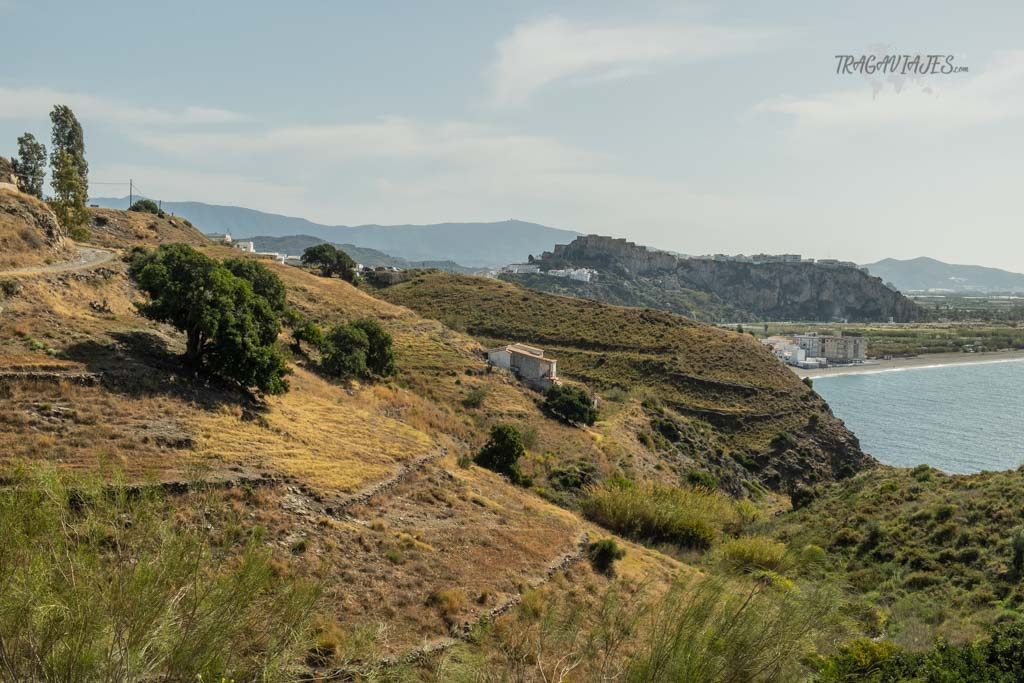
<point>86,257</point>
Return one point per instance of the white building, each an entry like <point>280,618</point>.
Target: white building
<point>580,274</point>
<point>521,268</point>
<point>527,363</point>
<point>246,246</point>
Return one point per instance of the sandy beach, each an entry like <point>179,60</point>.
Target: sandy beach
<point>928,360</point>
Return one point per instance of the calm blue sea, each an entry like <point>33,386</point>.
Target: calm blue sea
<point>958,418</point>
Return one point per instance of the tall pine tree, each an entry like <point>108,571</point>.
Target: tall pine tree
<point>69,170</point>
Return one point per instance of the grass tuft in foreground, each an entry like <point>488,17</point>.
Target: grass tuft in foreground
<point>687,517</point>
<point>98,583</point>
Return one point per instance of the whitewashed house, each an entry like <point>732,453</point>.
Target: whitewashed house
<point>527,363</point>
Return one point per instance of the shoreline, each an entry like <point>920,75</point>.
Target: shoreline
<point>928,360</point>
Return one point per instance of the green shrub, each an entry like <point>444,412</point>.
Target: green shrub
<point>146,206</point>
<point>79,233</point>
<point>474,398</point>
<point>701,478</point>
<point>344,352</point>
<point>667,428</point>
<point>691,518</point>
<point>101,583</point>
<point>310,333</point>
<point>358,349</point>
<point>713,632</point>
<point>603,555</point>
<point>801,497</point>
<point>501,453</point>
<point>813,556</point>
<point>750,553</point>
<point>571,405</point>
<point>921,473</point>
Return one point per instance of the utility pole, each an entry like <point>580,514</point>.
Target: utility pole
<point>130,193</point>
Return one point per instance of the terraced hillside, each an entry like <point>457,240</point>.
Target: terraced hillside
<point>426,566</point>
<point>354,484</point>
<point>719,397</point>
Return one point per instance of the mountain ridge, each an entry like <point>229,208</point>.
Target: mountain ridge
<point>720,291</point>
<point>482,244</point>
<point>924,273</point>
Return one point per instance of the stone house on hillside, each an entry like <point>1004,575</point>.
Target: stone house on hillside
<point>527,363</point>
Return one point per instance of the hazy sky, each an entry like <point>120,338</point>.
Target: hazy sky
<point>697,127</point>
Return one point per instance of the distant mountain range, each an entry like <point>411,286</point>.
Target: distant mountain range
<point>296,244</point>
<point>471,244</point>
<point>925,273</point>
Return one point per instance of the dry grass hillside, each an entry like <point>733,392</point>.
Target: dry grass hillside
<point>702,396</point>
<point>29,234</point>
<point>356,485</point>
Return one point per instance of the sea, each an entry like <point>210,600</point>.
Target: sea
<point>959,418</point>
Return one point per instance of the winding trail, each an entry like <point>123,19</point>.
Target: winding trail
<point>87,257</point>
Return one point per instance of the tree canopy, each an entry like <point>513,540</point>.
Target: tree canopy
<point>231,325</point>
<point>69,170</point>
<point>501,453</point>
<point>30,165</point>
<point>331,261</point>
<point>361,348</point>
<point>570,404</point>
<point>146,206</point>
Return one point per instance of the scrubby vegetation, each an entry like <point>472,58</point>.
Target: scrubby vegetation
<point>689,518</point>
<point>231,322</point>
<point>694,633</point>
<point>930,554</point>
<point>502,452</point>
<point>604,554</point>
<point>571,404</point>
<point>146,206</point>
<point>98,582</point>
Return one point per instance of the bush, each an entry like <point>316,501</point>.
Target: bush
<point>712,632</point>
<point>146,206</point>
<point>501,453</point>
<point>691,518</point>
<point>747,554</point>
<point>359,349</point>
<point>801,497</point>
<point>101,583</point>
<point>380,356</point>
<point>571,405</point>
<point>79,233</point>
<point>310,333</point>
<point>701,478</point>
<point>474,398</point>
<point>231,327</point>
<point>603,554</point>
<point>344,352</point>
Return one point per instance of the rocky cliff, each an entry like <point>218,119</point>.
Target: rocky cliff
<point>757,291</point>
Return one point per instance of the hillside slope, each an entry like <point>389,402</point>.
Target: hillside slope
<point>29,233</point>
<point>714,290</point>
<point>737,410</point>
<point>471,244</point>
<point>296,244</point>
<point>925,273</point>
<point>354,484</point>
